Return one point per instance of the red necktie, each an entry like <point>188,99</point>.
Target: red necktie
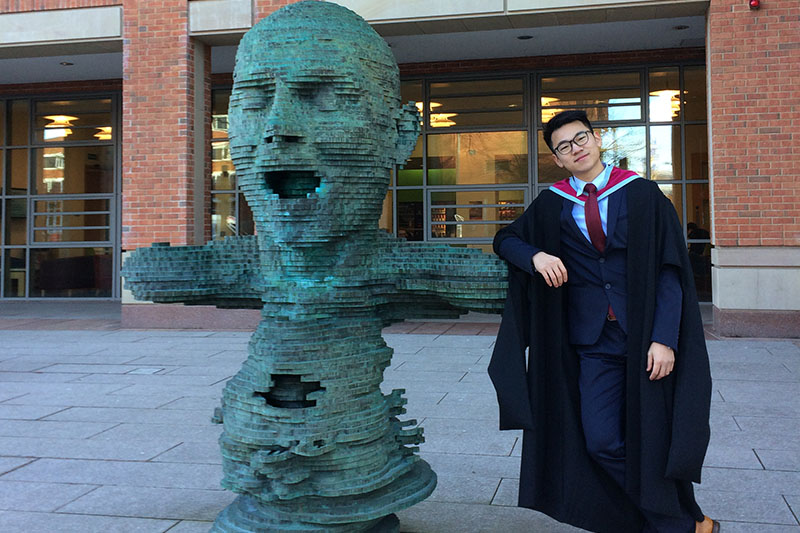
<point>595,227</point>
<point>593,223</point>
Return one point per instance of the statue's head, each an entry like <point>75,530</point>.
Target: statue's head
<point>316,123</point>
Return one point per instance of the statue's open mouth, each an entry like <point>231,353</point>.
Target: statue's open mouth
<point>292,183</point>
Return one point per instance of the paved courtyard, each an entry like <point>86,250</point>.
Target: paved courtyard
<point>108,430</point>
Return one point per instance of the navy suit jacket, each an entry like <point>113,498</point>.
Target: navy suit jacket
<point>597,280</point>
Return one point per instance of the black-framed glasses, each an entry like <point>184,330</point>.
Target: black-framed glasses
<point>565,147</point>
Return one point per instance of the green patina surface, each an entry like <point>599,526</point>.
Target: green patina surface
<point>310,443</point>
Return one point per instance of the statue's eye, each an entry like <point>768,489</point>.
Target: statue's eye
<point>254,98</point>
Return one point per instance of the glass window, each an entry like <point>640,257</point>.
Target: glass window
<point>223,215</point>
<point>478,158</point>
<point>694,97</point>
<point>223,174</point>
<point>410,220</point>
<point>219,114</point>
<point>245,224</point>
<point>604,97</point>
<point>70,221</point>
<point>665,152</point>
<point>14,268</point>
<point>2,175</point>
<point>385,222</point>
<point>16,221</point>
<point>625,147</point>
<point>74,120</point>
<point>476,103</point>
<point>71,272</point>
<point>674,192</point>
<point>698,210</point>
<point>17,171</point>
<point>75,170</point>
<point>664,91</point>
<point>473,214</point>
<point>411,173</point>
<point>2,122</point>
<point>18,131</point>
<point>697,152</point>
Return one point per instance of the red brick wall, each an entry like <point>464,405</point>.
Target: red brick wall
<point>157,124</point>
<point>18,6</point>
<point>560,61</point>
<point>28,89</point>
<point>262,8</point>
<point>753,59</point>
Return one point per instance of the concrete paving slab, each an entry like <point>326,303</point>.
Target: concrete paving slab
<point>130,416</point>
<point>183,432</point>
<point>143,502</point>
<point>507,493</point>
<point>9,463</point>
<point>43,429</point>
<point>446,517</point>
<point>750,482</point>
<point>192,452</point>
<point>33,377</point>
<point>30,522</point>
<point>134,474</point>
<point>27,496</point>
<point>191,526</point>
<point>732,457</point>
<point>85,449</point>
<point>744,507</point>
<point>787,460</point>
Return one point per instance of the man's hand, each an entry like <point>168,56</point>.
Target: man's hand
<point>660,361</point>
<point>551,268</point>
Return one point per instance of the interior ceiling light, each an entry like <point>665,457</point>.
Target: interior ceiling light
<point>103,133</point>
<point>438,120</point>
<point>59,126</point>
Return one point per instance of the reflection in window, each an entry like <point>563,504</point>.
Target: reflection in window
<point>624,147</point>
<point>665,152</point>
<point>410,221</point>
<point>478,158</point>
<point>476,103</point>
<point>75,170</point>
<point>14,268</point>
<point>473,214</point>
<point>604,97</point>
<point>71,272</point>
<point>664,91</point>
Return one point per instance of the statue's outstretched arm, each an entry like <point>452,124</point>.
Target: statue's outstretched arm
<point>222,273</point>
<point>464,278</point>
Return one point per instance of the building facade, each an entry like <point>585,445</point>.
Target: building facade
<point>113,130</point>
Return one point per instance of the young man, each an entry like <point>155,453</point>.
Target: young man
<point>615,394</point>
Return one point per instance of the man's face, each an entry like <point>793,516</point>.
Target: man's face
<point>313,138</point>
<point>579,160</point>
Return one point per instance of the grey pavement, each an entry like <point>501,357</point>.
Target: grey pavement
<point>108,430</point>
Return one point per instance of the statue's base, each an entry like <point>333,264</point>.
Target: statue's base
<point>242,517</point>
<point>365,513</point>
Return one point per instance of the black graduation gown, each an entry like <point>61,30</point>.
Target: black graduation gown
<point>667,421</point>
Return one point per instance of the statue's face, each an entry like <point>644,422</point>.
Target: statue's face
<point>314,133</point>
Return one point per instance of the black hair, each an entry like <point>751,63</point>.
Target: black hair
<point>565,117</point>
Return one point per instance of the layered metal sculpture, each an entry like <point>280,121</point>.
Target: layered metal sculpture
<point>310,443</point>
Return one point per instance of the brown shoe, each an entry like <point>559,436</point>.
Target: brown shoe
<point>707,526</point>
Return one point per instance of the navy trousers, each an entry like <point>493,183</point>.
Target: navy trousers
<point>602,390</point>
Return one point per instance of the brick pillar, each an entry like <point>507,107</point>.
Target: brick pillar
<point>158,94</point>
<point>754,88</point>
